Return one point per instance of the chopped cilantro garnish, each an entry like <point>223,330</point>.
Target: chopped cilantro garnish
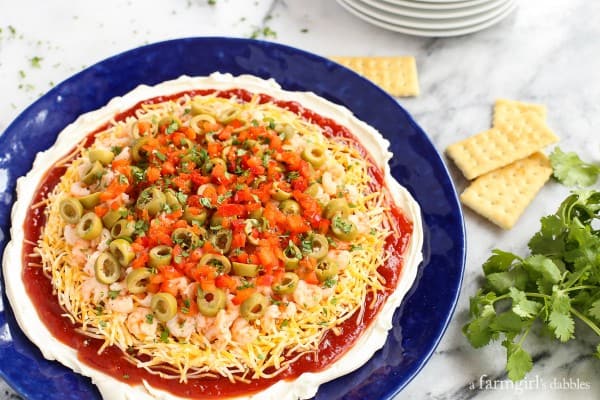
<point>173,126</point>
<point>342,224</point>
<point>159,155</point>
<point>181,197</point>
<point>141,227</point>
<point>164,335</point>
<point>35,61</point>
<point>206,202</point>
<point>149,318</point>
<point>113,293</point>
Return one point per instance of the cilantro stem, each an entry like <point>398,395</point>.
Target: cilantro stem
<point>585,319</point>
<point>582,287</point>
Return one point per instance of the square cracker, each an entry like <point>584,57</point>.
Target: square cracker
<point>397,75</point>
<point>506,111</point>
<point>501,145</point>
<point>502,195</point>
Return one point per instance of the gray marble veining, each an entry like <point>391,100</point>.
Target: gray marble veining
<point>548,51</point>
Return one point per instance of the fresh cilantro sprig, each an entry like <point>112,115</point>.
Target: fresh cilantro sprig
<point>570,170</point>
<point>556,284</point>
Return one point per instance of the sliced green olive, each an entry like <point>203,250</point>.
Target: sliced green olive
<point>210,164</point>
<point>199,107</point>
<point>320,246</point>
<point>195,219</point>
<point>335,207</point>
<point>244,269</point>
<point>221,240</point>
<point>291,257</point>
<point>290,207</point>
<point>326,269</point>
<point>227,115</point>
<point>312,190</point>
<point>160,255</point>
<point>170,123</point>
<point>249,144</point>
<point>104,156</point>
<point>70,210</point>
<point>185,238</point>
<point>164,306</point>
<point>218,261</point>
<point>343,229</point>
<point>287,285</point>
<point>137,280</point>
<point>254,306</point>
<point>287,129</point>
<point>152,200</point>
<point>90,201</point>
<point>251,223</point>
<point>171,199</point>
<point>138,153</point>
<point>122,229</point>
<point>279,194</point>
<point>107,269</point>
<point>93,174</point>
<point>110,218</point>
<point>314,154</point>
<point>89,226</point>
<point>211,301</point>
<point>256,214</point>
<point>121,249</point>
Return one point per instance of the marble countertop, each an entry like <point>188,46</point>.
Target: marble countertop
<point>547,51</point>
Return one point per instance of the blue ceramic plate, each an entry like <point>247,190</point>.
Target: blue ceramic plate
<point>426,310</point>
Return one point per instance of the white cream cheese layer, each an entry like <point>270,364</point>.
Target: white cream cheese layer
<point>306,385</point>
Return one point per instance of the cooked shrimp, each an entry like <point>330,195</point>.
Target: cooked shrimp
<point>101,242</point>
<point>78,190</point>
<point>93,291</point>
<point>80,252</point>
<point>328,183</point>
<point>242,332</point>
<point>342,257</point>
<point>88,268</point>
<point>333,176</point>
<point>123,155</point>
<point>269,319</point>
<point>140,325</point>
<point>122,304</point>
<point>290,311</point>
<point>307,295</point>
<point>217,328</point>
<point>181,326</point>
<point>361,221</point>
<point>84,167</point>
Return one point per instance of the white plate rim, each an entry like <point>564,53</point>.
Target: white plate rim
<point>419,23</point>
<point>432,13</point>
<point>435,6</point>
<point>431,32</point>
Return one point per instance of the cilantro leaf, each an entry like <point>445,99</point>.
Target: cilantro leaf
<point>521,306</point>
<point>570,170</point>
<point>518,361</point>
<point>545,267</point>
<point>562,325</point>
<point>478,331</point>
<point>499,261</point>
<point>594,310</point>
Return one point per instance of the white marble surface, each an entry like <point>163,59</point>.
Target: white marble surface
<point>548,51</point>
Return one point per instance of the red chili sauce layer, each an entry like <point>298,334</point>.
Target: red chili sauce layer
<point>112,361</point>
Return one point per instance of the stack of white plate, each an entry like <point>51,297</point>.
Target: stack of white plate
<point>433,18</point>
